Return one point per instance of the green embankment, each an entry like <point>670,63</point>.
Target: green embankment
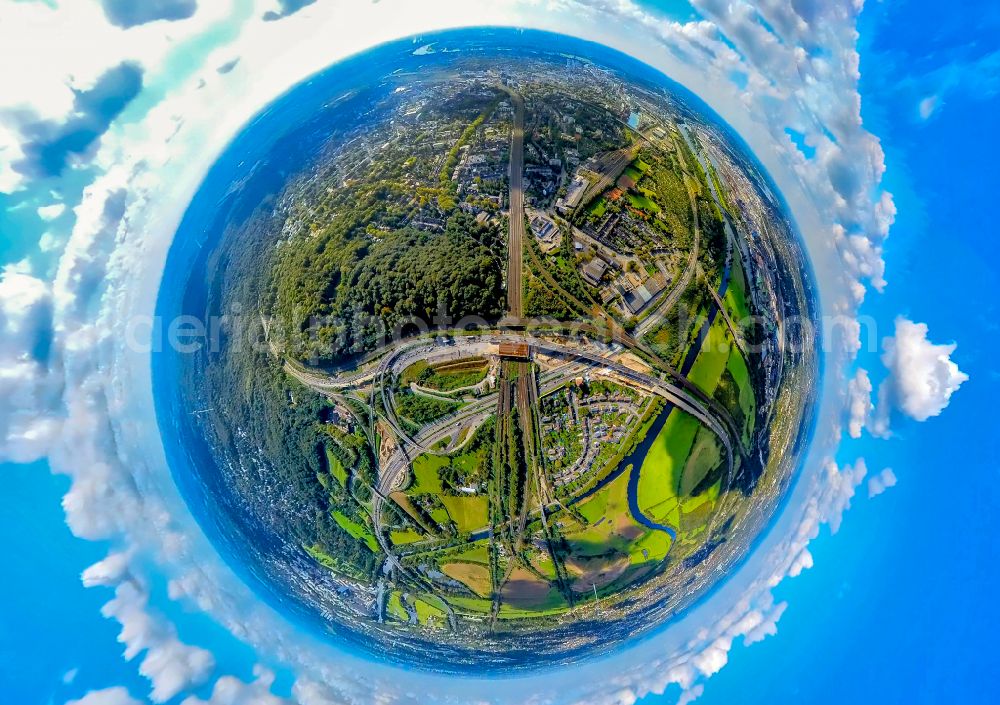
<point>446,377</point>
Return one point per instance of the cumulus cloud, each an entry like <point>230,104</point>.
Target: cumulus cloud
<point>859,402</point>
<point>922,376</point>
<point>170,665</point>
<point>51,212</point>
<point>878,484</point>
<point>689,696</point>
<point>108,696</point>
<point>109,572</point>
<point>838,490</point>
<point>129,13</point>
<point>29,390</point>
<point>232,691</point>
<point>40,101</point>
<point>799,70</point>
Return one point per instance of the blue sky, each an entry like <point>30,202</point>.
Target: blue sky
<point>899,605</point>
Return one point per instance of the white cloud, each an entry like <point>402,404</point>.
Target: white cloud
<point>232,691</point>
<point>43,93</point>
<point>928,106</point>
<point>922,376</point>
<point>108,696</point>
<point>51,212</point>
<point>859,402</point>
<point>878,484</point>
<point>171,666</point>
<point>115,493</point>
<point>975,75</point>
<point>838,490</point>
<point>689,696</point>
<point>29,389</point>
<point>109,572</point>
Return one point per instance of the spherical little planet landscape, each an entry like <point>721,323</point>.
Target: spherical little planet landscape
<point>505,373</point>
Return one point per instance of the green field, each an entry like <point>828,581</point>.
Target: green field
<point>651,547</point>
<point>337,468</point>
<point>663,466</point>
<point>713,357</point>
<point>705,456</point>
<point>633,173</point>
<point>735,392</point>
<point>642,202</point>
<point>358,531</point>
<point>426,479</point>
<point>717,183</point>
<point>401,538</point>
<point>475,553</point>
<point>333,563</point>
<point>468,512</point>
<point>394,607</point>
<point>475,605</point>
<point>611,527</point>
<point>429,614</point>
<point>736,298</point>
<point>737,367</point>
<point>599,207</point>
<point>445,476</point>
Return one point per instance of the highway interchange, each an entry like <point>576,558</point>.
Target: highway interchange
<point>555,359</point>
